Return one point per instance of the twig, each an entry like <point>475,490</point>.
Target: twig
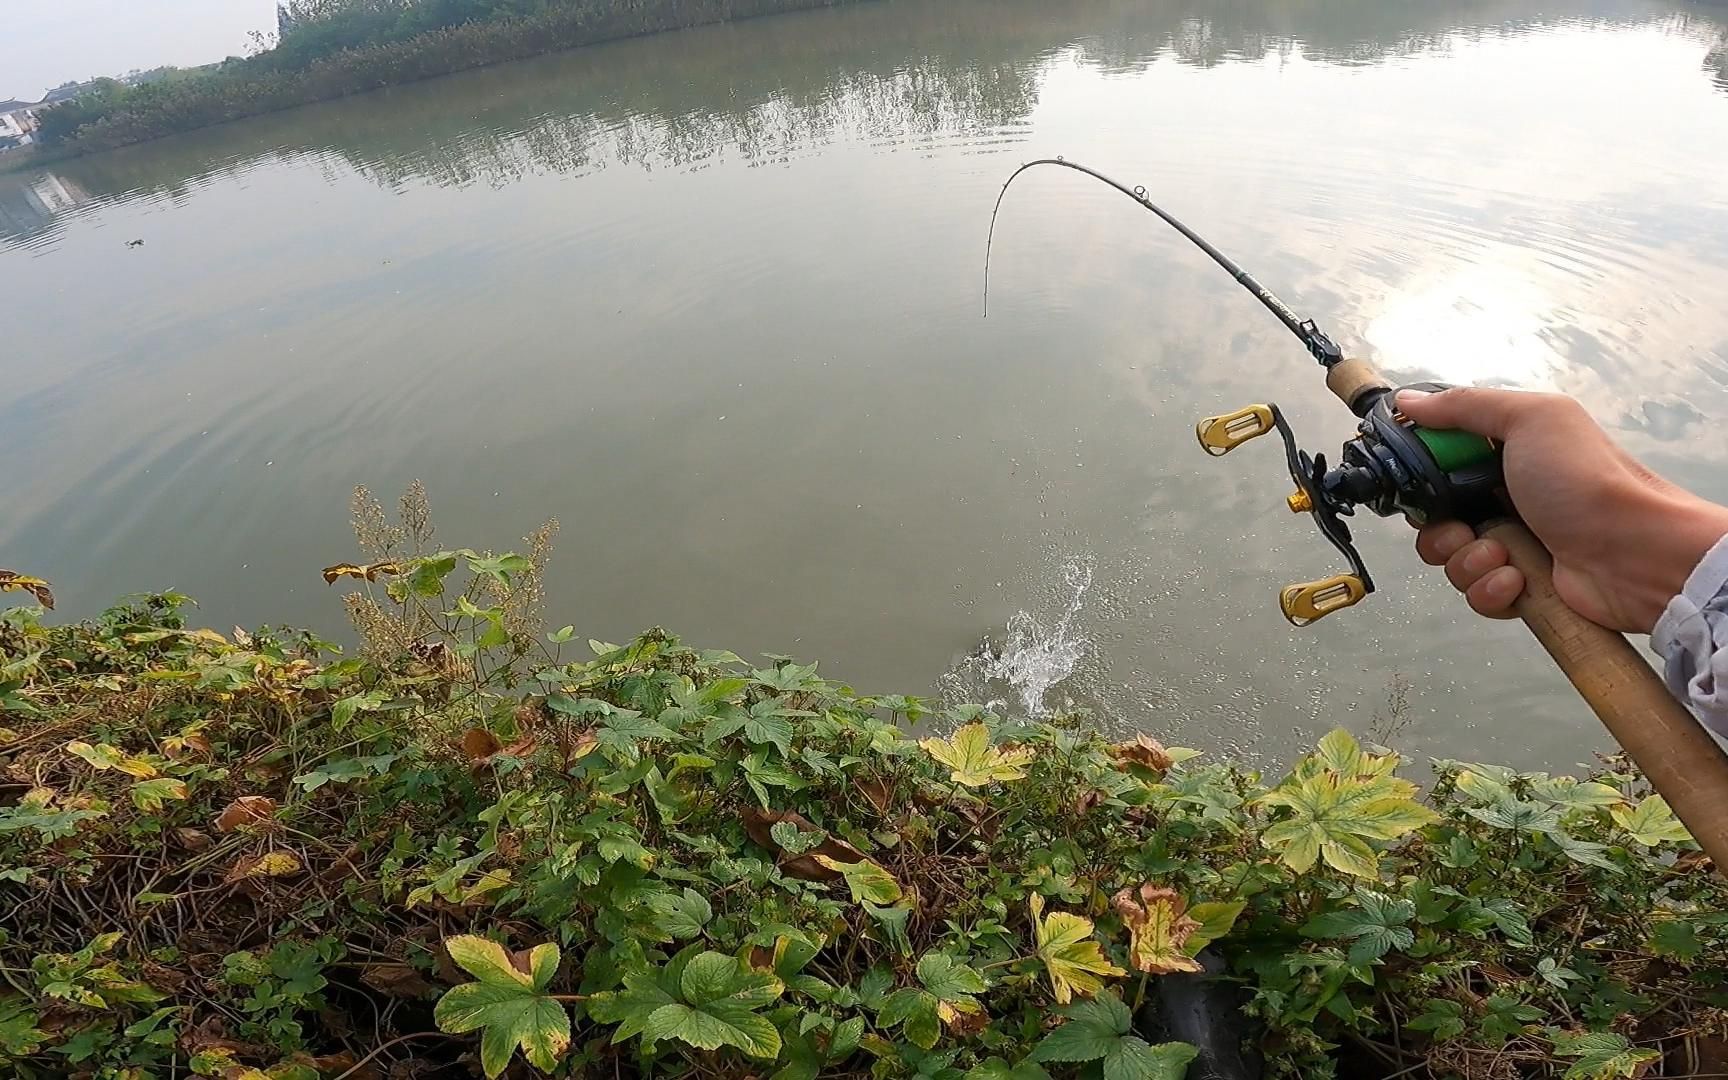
<point>356,1067</point>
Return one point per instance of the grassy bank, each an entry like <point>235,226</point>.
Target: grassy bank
<point>358,55</point>
<point>477,843</point>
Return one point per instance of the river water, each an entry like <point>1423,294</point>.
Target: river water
<point>712,299</point>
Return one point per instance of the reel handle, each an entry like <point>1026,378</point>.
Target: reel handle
<point>1669,746</point>
<point>1673,751</point>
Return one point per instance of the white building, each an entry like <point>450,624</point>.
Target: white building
<point>17,123</point>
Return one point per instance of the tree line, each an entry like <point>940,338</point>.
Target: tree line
<point>332,48</point>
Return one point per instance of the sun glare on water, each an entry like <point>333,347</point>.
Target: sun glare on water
<point>1481,325</point>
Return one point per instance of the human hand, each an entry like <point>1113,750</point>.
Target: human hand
<point>1624,540</point>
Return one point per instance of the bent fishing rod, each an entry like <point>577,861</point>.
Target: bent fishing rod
<point>1393,466</point>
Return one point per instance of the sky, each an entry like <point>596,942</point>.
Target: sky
<point>43,44</point>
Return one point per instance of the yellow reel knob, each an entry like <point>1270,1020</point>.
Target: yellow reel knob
<point>1299,502</point>
<point>1314,600</point>
<point>1221,434</point>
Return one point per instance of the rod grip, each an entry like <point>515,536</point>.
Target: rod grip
<point>1673,751</point>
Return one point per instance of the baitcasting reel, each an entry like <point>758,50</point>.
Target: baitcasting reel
<point>1390,467</point>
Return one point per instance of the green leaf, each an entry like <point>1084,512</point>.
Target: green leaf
<point>1134,1059</point>
<point>1601,1055</point>
<point>948,978</point>
<point>1571,793</point>
<point>682,915</point>
<point>1378,924</point>
<point>712,1027</point>
<point>996,1068</point>
<point>1077,1041</point>
<point>508,1006</point>
<point>769,728</point>
<point>149,795</point>
<point>971,759</point>
<point>894,922</point>
<point>719,995</point>
<point>630,1007</point>
<point>914,1012</point>
<point>1215,917</point>
<point>1676,938</point>
<point>1441,1018</point>
<point>796,841</point>
<point>1650,822</point>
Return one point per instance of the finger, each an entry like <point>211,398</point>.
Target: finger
<point>1494,593</point>
<point>1440,541</point>
<point>1471,562</point>
<point>1471,408</point>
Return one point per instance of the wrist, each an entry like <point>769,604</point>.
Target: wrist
<point>1679,530</point>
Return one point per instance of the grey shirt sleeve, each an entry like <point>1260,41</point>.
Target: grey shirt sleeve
<point>1692,639</point>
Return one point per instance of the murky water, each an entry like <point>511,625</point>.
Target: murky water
<point>712,299</point>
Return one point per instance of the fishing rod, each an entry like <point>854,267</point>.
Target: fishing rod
<point>1393,466</point>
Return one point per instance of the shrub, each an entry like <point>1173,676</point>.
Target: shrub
<point>250,855</point>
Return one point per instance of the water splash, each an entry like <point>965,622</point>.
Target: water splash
<point>1034,655</point>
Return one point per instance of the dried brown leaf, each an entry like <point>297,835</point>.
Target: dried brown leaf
<point>877,792</point>
<point>12,581</point>
<point>370,572</point>
<point>191,839</point>
<point>478,744</point>
<point>804,867</point>
<point>1142,749</point>
<point>254,810</point>
<point>396,980</point>
<point>1158,928</point>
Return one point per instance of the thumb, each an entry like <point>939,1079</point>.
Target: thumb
<point>1469,408</point>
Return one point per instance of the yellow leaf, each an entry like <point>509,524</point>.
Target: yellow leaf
<point>370,572</point>
<point>1338,799</point>
<point>103,757</point>
<point>1158,929</point>
<point>866,879</point>
<point>270,864</point>
<point>1650,822</point>
<point>973,761</point>
<point>149,795</point>
<point>1074,961</point>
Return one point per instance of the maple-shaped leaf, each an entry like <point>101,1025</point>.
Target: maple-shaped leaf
<point>947,997</point>
<point>1158,929</point>
<point>1600,1055</point>
<point>509,1006</point>
<point>1339,799</point>
<point>1650,822</point>
<point>1100,1031</point>
<point>1074,960</point>
<point>1377,925</point>
<point>707,1000</point>
<point>973,761</point>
